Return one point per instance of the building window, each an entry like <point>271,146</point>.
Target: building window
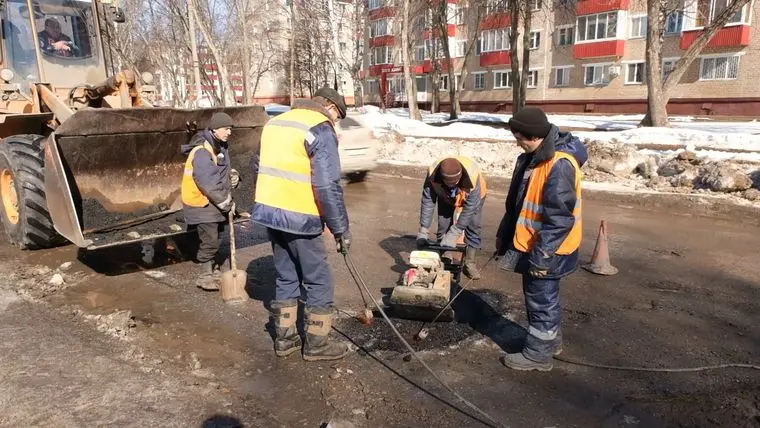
<point>419,53</point>
<point>444,83</point>
<point>380,27</point>
<point>597,27</point>
<point>381,55</point>
<point>719,68</point>
<point>421,83</point>
<point>565,36</point>
<point>634,73</point>
<point>532,79</point>
<point>495,40</point>
<point>479,81</point>
<point>497,6</point>
<point>535,39</point>
<point>674,23</point>
<point>502,79</point>
<point>597,74</point>
<point>535,4</point>
<point>457,48</point>
<point>374,4</point>
<point>373,87</point>
<point>455,14</point>
<point>667,67</point>
<point>638,27</point>
<point>458,81</point>
<point>709,10</point>
<point>562,76</point>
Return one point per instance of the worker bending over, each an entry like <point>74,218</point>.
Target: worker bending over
<point>207,192</point>
<point>459,189</point>
<point>541,231</point>
<point>297,192</point>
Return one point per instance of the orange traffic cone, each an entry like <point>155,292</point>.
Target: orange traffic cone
<point>600,260</point>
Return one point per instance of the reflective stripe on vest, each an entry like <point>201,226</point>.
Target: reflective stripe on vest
<point>473,171</point>
<point>531,215</point>
<point>284,178</point>
<point>191,194</point>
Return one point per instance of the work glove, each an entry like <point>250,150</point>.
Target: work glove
<point>343,242</point>
<point>234,178</point>
<point>422,238</point>
<point>450,238</point>
<point>226,205</point>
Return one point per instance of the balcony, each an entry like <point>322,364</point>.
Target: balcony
<point>599,49</point>
<point>590,7</point>
<point>497,20</point>
<point>427,66</point>
<point>383,12</point>
<point>382,41</point>
<point>495,58</point>
<point>451,30</point>
<point>728,37</point>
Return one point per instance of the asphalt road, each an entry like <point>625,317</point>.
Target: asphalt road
<point>686,295</point>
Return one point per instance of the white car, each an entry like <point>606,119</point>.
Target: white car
<point>357,144</point>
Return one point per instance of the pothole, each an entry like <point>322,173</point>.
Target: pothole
<point>479,312</point>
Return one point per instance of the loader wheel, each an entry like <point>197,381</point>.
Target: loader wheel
<point>25,214</point>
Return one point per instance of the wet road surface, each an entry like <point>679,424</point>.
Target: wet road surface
<point>686,295</point>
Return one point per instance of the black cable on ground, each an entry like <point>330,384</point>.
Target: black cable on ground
<point>656,369</point>
<point>351,267</point>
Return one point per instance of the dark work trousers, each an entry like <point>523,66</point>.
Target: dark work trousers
<point>542,305</point>
<point>473,230</point>
<point>209,237</point>
<point>302,268</point>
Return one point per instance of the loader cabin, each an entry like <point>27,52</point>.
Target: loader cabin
<point>55,42</point>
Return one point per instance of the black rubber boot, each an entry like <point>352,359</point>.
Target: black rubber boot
<point>206,280</point>
<point>470,268</point>
<point>319,347</point>
<point>284,316</point>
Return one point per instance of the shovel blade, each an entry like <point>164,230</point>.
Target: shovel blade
<point>233,286</point>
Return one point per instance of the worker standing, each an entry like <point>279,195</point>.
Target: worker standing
<point>297,192</point>
<point>541,231</point>
<point>207,192</point>
<point>459,189</point>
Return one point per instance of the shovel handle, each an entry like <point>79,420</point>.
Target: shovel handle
<point>233,265</point>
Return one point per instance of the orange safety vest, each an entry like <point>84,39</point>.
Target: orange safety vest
<point>473,171</point>
<point>531,214</point>
<point>191,194</point>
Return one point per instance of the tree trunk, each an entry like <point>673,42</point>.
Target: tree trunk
<point>292,52</point>
<point>443,23</point>
<point>659,95</point>
<point>657,114</point>
<point>246,50</point>
<point>194,52</point>
<point>525,54</point>
<point>514,54</point>
<point>409,81</point>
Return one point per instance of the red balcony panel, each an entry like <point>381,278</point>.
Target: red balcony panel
<point>377,70</point>
<point>495,58</point>
<point>383,12</point>
<point>418,69</point>
<point>599,49</point>
<point>497,20</point>
<point>451,30</point>
<point>727,37</point>
<point>427,66</point>
<point>590,7</point>
<point>382,41</point>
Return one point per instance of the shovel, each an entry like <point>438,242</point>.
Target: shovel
<point>233,281</point>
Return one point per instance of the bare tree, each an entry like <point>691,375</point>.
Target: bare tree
<point>520,13</point>
<point>659,88</point>
<point>411,94</point>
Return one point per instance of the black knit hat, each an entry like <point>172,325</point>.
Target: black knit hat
<point>334,97</point>
<point>220,120</point>
<point>531,122</point>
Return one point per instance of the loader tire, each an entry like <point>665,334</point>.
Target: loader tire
<point>25,215</point>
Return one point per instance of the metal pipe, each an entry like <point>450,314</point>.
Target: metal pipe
<point>37,54</point>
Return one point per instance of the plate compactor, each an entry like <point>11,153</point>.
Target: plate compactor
<point>425,287</point>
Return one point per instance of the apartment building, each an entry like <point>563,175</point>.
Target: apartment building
<point>585,56</point>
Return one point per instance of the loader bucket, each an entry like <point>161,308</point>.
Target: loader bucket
<point>113,176</point>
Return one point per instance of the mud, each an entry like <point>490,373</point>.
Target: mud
<point>170,224</point>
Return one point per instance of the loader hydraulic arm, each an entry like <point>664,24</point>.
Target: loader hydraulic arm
<point>125,84</point>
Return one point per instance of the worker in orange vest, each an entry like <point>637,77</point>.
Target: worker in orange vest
<point>458,187</point>
<point>541,231</point>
